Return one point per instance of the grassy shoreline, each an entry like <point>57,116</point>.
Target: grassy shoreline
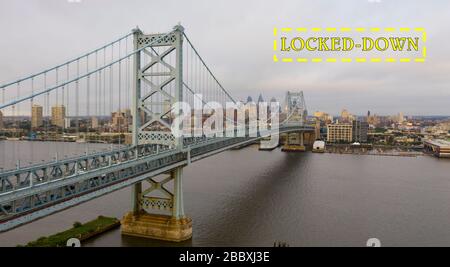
<point>79,230</point>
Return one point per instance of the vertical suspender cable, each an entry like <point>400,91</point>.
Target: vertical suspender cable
<point>96,98</point>
<point>77,94</point>
<point>104,83</point>
<point>88,111</point>
<point>120,102</point>
<point>111,83</point>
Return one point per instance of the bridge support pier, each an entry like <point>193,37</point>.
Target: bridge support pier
<point>294,143</point>
<point>175,227</point>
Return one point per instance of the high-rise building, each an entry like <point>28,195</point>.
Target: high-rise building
<point>373,120</point>
<point>339,132</point>
<point>94,122</point>
<point>401,118</point>
<point>322,116</point>
<point>346,116</point>
<point>359,131</point>
<point>1,120</point>
<point>260,98</point>
<point>121,120</point>
<point>59,116</point>
<point>67,123</point>
<point>36,116</point>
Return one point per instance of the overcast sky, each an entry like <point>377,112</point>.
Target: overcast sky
<point>235,38</point>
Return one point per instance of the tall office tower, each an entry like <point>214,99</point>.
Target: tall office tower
<point>401,118</point>
<point>346,116</point>
<point>359,131</point>
<point>94,122</point>
<point>36,116</point>
<point>59,116</point>
<point>323,117</point>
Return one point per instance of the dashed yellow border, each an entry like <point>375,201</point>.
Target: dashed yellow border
<point>360,60</point>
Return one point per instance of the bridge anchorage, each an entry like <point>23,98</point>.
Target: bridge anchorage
<point>151,126</point>
<point>167,69</point>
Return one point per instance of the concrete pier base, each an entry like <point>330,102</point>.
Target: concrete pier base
<point>161,227</point>
<point>293,148</point>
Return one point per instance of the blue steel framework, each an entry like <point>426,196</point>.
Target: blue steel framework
<point>33,192</point>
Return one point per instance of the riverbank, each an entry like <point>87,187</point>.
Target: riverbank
<point>374,150</point>
<point>371,153</point>
<point>80,231</point>
<point>336,199</point>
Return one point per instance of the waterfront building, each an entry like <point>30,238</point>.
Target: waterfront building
<point>36,116</point>
<point>59,116</point>
<point>359,131</point>
<point>437,147</point>
<point>339,132</point>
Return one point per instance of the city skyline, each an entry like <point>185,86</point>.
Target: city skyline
<point>205,123</point>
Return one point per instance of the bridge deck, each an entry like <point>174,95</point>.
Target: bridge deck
<point>37,191</point>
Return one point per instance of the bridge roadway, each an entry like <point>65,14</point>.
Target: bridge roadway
<point>30,193</point>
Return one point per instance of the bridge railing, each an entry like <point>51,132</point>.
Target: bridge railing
<point>43,173</point>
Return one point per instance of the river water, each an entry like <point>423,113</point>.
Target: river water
<point>248,197</point>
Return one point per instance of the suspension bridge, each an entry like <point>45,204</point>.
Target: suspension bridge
<point>146,74</point>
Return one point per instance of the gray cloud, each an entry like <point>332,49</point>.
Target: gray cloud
<point>235,38</point>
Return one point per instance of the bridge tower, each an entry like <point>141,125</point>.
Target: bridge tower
<point>158,209</point>
<point>295,107</point>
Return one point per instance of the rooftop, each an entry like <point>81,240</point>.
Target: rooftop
<point>439,142</point>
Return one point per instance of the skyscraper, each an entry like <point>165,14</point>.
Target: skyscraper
<point>401,118</point>
<point>346,116</point>
<point>58,116</point>
<point>359,131</point>
<point>121,120</point>
<point>324,117</point>
<point>260,98</point>
<point>36,116</point>
<point>94,122</point>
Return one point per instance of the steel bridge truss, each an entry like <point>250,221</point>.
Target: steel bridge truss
<point>30,193</point>
<point>296,108</point>
<point>151,104</point>
<point>33,192</point>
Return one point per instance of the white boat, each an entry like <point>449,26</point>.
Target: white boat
<point>319,146</point>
